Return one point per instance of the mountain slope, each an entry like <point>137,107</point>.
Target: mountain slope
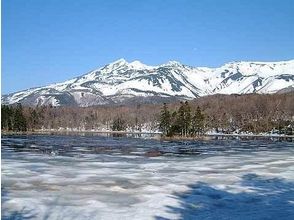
<point>121,81</point>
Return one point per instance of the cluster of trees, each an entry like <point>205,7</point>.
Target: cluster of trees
<point>13,119</point>
<point>119,124</point>
<point>256,113</point>
<point>182,121</point>
<point>224,113</point>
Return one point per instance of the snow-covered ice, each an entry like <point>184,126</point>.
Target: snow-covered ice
<point>94,177</point>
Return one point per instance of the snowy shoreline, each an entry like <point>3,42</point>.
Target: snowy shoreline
<point>253,135</point>
<point>157,135</point>
<point>78,132</point>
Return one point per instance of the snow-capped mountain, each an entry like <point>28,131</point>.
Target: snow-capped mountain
<point>121,81</point>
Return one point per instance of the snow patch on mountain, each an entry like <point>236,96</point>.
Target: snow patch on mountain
<point>120,80</point>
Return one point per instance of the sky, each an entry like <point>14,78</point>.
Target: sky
<point>51,41</point>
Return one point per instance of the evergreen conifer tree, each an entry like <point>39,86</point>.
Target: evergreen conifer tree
<point>187,118</point>
<point>181,119</point>
<point>34,119</point>
<point>4,117</point>
<point>119,124</point>
<point>165,120</point>
<point>198,122</point>
<point>19,121</point>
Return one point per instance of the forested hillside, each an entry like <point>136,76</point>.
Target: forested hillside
<point>218,113</point>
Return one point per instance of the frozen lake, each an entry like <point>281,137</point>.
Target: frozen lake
<point>95,177</point>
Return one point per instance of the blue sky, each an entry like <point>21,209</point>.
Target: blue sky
<point>50,41</point>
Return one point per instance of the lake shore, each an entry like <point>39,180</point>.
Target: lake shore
<point>73,132</point>
<point>156,135</point>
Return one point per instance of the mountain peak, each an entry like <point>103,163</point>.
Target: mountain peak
<point>138,65</point>
<point>118,64</point>
<point>121,81</point>
<point>120,61</point>
<point>173,63</point>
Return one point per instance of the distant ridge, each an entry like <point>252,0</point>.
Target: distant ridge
<point>122,82</point>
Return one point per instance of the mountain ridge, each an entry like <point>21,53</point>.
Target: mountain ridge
<point>120,81</point>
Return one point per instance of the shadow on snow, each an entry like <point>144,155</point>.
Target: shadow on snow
<point>25,213</point>
<point>272,199</point>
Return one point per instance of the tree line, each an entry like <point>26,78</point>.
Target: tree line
<point>254,113</point>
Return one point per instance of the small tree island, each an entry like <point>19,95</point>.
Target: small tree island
<point>182,121</point>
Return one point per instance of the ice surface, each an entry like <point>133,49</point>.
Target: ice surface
<point>85,177</point>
